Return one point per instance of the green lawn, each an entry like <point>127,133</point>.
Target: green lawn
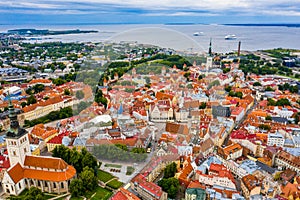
<point>76,198</point>
<point>101,194</point>
<point>113,165</point>
<point>130,170</point>
<point>104,176</point>
<point>115,184</point>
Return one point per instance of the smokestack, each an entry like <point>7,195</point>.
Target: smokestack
<point>239,49</point>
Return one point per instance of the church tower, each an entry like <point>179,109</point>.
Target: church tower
<point>209,59</point>
<point>17,140</point>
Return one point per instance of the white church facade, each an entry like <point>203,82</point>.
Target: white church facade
<point>49,174</point>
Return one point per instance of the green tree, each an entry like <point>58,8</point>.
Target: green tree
<point>269,89</point>
<point>122,146</point>
<point>31,100</point>
<point>202,105</point>
<point>269,118</point>
<point>23,104</point>
<point>226,70</point>
<point>67,92</point>
<point>189,86</point>
<point>271,102</point>
<point>76,187</point>
<point>34,194</point>
<point>256,84</point>
<point>138,150</point>
<point>79,94</point>
<point>38,88</point>
<point>265,127</point>
<point>228,88</point>
<point>283,102</point>
<point>170,185</point>
<point>88,178</point>
<point>170,170</point>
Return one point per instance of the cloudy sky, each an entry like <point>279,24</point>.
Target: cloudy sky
<point>148,11</point>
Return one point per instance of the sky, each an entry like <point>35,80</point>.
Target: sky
<point>148,11</point>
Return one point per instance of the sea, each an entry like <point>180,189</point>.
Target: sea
<point>178,36</point>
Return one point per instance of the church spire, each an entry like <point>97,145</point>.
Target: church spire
<point>14,130</point>
<point>209,50</point>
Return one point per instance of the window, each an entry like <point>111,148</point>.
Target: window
<point>14,153</point>
<point>25,150</point>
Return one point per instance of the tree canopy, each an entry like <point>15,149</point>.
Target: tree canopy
<point>78,159</point>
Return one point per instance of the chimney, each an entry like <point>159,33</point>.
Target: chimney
<point>239,49</point>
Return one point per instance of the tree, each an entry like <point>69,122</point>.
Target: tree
<point>283,102</point>
<point>122,146</point>
<point>79,94</point>
<point>67,92</point>
<point>202,105</point>
<point>239,94</point>
<point>170,170</point>
<point>23,104</point>
<point>271,102</point>
<point>189,86</point>
<point>34,194</point>
<point>228,88</point>
<point>226,70</point>
<point>170,185</point>
<point>138,150</point>
<point>88,178</point>
<point>265,127</point>
<point>38,88</point>
<point>31,100</point>
<point>187,74</point>
<point>269,118</point>
<point>269,89</point>
<point>76,187</point>
<point>257,84</point>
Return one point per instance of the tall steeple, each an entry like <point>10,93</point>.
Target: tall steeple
<point>17,140</point>
<point>209,49</point>
<point>14,130</point>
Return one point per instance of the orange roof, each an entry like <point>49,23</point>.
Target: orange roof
<point>16,173</point>
<point>196,184</point>
<point>45,162</point>
<point>43,103</point>
<point>67,174</point>
<point>163,96</point>
<point>36,81</point>
<point>232,148</point>
<point>124,194</point>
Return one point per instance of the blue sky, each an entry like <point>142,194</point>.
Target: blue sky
<point>148,11</point>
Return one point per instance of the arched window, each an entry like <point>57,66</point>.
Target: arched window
<point>62,185</point>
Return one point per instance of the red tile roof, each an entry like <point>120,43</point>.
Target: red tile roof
<point>45,162</point>
<point>150,187</point>
<point>18,172</point>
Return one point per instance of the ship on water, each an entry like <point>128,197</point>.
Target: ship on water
<point>230,37</point>
<point>198,33</point>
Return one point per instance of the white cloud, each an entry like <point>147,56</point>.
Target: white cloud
<point>160,7</point>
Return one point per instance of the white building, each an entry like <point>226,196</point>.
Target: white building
<point>51,175</point>
<point>275,139</point>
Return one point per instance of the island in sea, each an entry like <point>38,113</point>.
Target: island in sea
<point>47,32</point>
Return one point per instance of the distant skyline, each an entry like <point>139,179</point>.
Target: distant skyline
<point>148,11</point>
